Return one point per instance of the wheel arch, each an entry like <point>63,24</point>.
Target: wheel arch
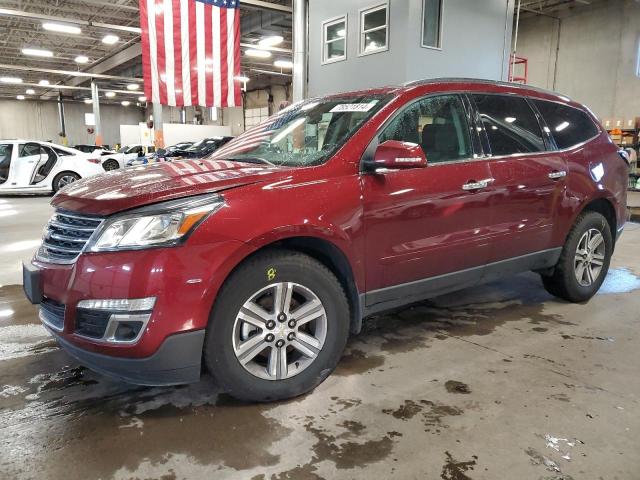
<point>331,256</point>
<point>605,207</point>
<point>62,172</point>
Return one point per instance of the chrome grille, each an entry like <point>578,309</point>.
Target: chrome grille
<point>66,235</point>
<point>52,313</point>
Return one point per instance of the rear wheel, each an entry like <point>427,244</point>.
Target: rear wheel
<point>63,179</point>
<point>584,261</point>
<point>278,328</point>
<point>110,165</point>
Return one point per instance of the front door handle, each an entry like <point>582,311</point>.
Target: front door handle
<point>557,175</point>
<point>477,185</point>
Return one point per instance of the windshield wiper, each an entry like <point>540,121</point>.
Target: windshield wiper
<point>256,160</point>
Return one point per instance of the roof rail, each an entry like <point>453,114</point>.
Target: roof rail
<point>430,81</point>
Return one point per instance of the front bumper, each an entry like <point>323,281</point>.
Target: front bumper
<point>177,361</point>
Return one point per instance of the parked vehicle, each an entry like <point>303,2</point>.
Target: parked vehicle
<point>29,166</point>
<point>95,149</point>
<point>200,149</point>
<point>119,159</point>
<point>260,260</point>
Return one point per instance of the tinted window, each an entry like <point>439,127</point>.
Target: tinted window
<point>438,124</point>
<point>5,161</point>
<point>569,126</point>
<point>28,149</point>
<point>511,125</point>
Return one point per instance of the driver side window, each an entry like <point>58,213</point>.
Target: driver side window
<point>29,149</point>
<point>438,124</point>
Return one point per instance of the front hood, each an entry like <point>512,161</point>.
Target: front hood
<point>133,187</point>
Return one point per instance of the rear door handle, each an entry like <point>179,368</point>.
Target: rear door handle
<point>473,185</point>
<point>557,175</point>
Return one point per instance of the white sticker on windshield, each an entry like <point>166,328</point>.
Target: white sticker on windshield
<point>353,107</point>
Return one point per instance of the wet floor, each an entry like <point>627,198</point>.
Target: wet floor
<point>499,381</point>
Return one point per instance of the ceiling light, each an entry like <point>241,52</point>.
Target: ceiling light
<point>30,91</point>
<point>125,103</point>
<point>142,99</point>
<point>133,86</point>
<point>271,41</point>
<point>37,52</point>
<point>110,39</point>
<point>283,64</point>
<point>341,33</point>
<point>44,83</point>
<point>110,94</point>
<point>81,59</point>
<point>252,52</point>
<point>10,80</point>
<point>241,78</point>
<point>88,101</point>
<point>59,27</point>
<point>20,97</point>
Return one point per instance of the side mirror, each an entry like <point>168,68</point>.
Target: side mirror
<point>396,155</point>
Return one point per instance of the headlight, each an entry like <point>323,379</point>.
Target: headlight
<point>165,224</point>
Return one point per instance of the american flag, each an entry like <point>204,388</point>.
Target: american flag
<point>191,52</point>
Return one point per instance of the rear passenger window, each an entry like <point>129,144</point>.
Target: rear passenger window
<point>438,124</point>
<point>569,126</point>
<point>511,125</point>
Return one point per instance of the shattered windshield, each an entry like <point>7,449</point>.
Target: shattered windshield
<point>305,134</point>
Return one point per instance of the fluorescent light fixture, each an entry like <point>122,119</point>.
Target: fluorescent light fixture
<point>81,59</point>
<point>241,78</point>
<point>125,103</point>
<point>37,52</point>
<point>142,99</point>
<point>510,119</point>
<point>30,91</point>
<point>10,80</point>
<point>271,41</point>
<point>20,97</point>
<point>562,126</point>
<point>62,28</point>
<point>110,39</point>
<point>88,101</point>
<point>110,94</point>
<point>133,86</point>
<point>44,83</point>
<point>253,52</point>
<point>283,64</point>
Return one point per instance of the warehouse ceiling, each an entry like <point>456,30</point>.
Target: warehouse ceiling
<point>117,64</point>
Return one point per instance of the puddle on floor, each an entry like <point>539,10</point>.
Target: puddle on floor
<point>620,280</point>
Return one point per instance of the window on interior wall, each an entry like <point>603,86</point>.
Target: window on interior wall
<point>254,116</point>
<point>374,29</point>
<point>432,23</point>
<point>638,61</point>
<point>334,40</point>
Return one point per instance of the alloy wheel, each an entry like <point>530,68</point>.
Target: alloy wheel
<point>279,331</point>
<point>589,258</point>
<point>65,180</point>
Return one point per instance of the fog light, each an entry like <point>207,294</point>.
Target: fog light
<point>127,331</point>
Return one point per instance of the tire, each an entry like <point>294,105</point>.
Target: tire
<point>110,165</point>
<point>225,331</point>
<point>564,282</point>
<point>63,179</point>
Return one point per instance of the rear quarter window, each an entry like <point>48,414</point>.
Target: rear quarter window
<point>569,126</point>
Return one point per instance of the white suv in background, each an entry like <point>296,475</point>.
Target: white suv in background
<point>28,166</point>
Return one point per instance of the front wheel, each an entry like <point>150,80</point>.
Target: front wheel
<point>278,328</point>
<point>584,261</point>
<point>63,179</point>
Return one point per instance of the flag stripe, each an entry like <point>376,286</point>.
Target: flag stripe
<point>161,58</point>
<point>169,51</point>
<point>208,42</point>
<point>224,67</point>
<point>202,91</point>
<point>193,52</point>
<point>216,60</point>
<point>237,98</point>
<point>177,47</point>
<point>146,61</point>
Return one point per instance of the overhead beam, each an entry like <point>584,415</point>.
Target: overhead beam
<point>7,12</point>
<point>4,66</point>
<point>266,5</point>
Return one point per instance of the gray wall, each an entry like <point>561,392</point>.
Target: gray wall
<point>597,54</point>
<point>476,37</point>
<point>38,120</point>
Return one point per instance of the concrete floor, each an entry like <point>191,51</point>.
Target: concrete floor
<point>496,382</point>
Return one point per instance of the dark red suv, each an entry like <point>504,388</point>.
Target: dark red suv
<point>258,262</point>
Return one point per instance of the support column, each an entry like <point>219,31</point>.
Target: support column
<point>95,101</point>
<point>63,129</point>
<point>299,49</point>
<point>183,115</point>
<point>158,141</point>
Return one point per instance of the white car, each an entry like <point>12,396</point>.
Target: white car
<point>125,155</point>
<point>28,166</point>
